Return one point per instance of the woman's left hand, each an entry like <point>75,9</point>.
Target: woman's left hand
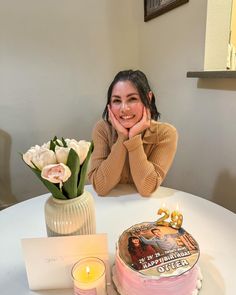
<point>142,125</point>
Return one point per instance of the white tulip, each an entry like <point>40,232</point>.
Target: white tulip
<point>80,147</point>
<point>83,150</point>
<point>46,145</point>
<point>28,156</point>
<point>39,156</point>
<point>61,154</point>
<point>56,173</point>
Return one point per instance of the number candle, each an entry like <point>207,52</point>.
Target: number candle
<point>89,277</point>
<point>176,219</point>
<point>166,215</point>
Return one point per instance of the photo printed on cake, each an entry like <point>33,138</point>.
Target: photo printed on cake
<point>158,250</point>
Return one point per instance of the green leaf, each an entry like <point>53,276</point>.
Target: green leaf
<point>49,185</point>
<point>70,186</point>
<point>52,145</point>
<point>57,142</point>
<point>83,172</point>
<point>64,142</point>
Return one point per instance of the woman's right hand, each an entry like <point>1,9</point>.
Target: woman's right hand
<point>142,125</point>
<point>116,124</point>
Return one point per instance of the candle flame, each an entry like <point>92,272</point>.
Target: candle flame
<point>177,207</point>
<point>87,270</point>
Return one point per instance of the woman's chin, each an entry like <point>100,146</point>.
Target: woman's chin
<point>127,125</point>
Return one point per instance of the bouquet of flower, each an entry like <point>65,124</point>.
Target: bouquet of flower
<point>61,165</point>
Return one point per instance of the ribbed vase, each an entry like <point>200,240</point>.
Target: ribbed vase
<point>70,217</point>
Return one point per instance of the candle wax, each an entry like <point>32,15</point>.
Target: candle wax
<point>89,276</point>
<point>96,270</point>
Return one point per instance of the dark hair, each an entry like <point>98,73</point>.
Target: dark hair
<point>154,229</point>
<point>131,247</point>
<point>139,80</point>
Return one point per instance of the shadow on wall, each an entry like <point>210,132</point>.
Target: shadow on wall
<point>217,84</point>
<point>6,196</point>
<point>224,192</point>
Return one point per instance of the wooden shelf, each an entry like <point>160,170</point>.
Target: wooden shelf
<point>212,74</point>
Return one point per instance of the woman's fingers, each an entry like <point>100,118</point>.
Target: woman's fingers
<point>115,123</point>
<point>147,114</point>
<point>142,125</point>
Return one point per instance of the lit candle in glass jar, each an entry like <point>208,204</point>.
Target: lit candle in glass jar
<point>89,277</point>
<point>176,218</point>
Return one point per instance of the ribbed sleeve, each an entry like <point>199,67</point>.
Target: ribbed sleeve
<point>149,172</point>
<point>106,163</point>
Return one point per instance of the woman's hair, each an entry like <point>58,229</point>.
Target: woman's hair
<point>139,80</point>
<point>155,229</point>
<point>131,247</point>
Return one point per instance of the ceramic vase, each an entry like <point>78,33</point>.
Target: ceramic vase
<point>70,217</point>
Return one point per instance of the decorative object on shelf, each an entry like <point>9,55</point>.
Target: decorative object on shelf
<point>231,64</point>
<point>89,276</point>
<point>62,167</point>
<point>154,8</point>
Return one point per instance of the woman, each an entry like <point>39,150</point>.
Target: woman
<point>139,251</point>
<point>130,146</point>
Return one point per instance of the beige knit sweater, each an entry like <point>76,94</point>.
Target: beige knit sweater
<point>142,160</point>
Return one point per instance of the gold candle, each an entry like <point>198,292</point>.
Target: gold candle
<point>161,220</point>
<point>176,218</point>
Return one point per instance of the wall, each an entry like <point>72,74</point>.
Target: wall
<point>204,111</point>
<point>56,60</point>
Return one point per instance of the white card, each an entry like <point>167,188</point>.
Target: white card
<point>49,261</point>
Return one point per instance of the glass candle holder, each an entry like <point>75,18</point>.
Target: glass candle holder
<point>89,276</point>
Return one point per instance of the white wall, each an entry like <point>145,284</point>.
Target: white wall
<point>57,58</point>
<point>204,111</point>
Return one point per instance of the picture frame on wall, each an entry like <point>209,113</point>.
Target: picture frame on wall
<point>154,8</point>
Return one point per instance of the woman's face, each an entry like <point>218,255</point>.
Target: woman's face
<point>136,242</point>
<point>126,104</point>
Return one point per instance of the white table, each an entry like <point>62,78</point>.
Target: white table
<point>211,225</point>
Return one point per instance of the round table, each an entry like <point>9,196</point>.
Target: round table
<point>210,224</point>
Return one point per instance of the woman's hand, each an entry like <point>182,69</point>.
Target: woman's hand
<point>142,125</point>
<point>116,124</point>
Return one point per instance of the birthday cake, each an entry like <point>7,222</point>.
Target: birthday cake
<point>156,259</point>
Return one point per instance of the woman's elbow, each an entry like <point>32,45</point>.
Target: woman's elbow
<point>100,189</point>
<point>146,193</point>
<point>147,189</point>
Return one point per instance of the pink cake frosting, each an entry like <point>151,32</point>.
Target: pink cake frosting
<point>163,270</point>
<point>129,282</point>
